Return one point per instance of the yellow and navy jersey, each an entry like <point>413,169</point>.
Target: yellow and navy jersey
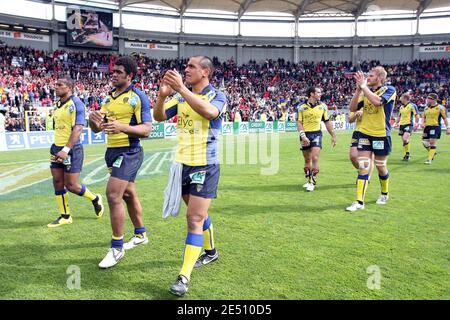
<point>433,115</point>
<point>407,113</point>
<point>357,121</point>
<point>197,136</point>
<point>375,121</point>
<point>67,115</point>
<point>131,107</point>
<point>312,115</point>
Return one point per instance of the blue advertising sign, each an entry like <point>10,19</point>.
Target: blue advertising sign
<point>84,137</point>
<point>98,138</point>
<point>15,140</point>
<point>40,139</point>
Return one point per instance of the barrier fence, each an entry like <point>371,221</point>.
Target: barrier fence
<point>44,139</point>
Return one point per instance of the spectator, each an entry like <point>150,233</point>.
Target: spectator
<point>2,118</point>
<point>271,89</point>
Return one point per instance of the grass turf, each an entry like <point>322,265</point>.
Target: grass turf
<point>275,240</point>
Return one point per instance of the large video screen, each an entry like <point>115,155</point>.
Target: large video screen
<point>89,28</point>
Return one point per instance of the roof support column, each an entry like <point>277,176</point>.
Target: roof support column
<point>53,9</point>
<point>181,24</point>
<point>417,24</point>
<point>239,26</point>
<point>120,15</point>
<point>121,30</point>
<point>296,42</point>
<point>54,38</point>
<point>239,54</point>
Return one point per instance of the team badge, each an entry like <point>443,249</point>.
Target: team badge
<point>134,101</point>
<point>71,108</point>
<point>125,100</point>
<point>211,95</point>
<point>198,177</point>
<point>68,163</point>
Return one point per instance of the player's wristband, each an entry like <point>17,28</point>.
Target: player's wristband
<point>363,86</point>
<point>448,127</point>
<point>66,149</point>
<point>302,134</point>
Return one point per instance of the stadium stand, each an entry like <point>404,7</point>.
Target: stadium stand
<point>256,89</point>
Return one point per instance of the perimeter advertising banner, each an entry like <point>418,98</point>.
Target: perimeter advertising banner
<point>44,139</point>
<point>24,36</point>
<point>429,49</point>
<point>150,46</point>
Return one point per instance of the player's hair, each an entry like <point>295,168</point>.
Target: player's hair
<point>433,96</point>
<point>128,64</point>
<point>311,90</point>
<point>380,72</point>
<point>206,63</point>
<point>68,81</point>
<point>406,96</point>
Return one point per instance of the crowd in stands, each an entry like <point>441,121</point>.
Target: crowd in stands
<point>265,90</point>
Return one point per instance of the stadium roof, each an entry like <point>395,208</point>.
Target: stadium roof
<point>295,7</point>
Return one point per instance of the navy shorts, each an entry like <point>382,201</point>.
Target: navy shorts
<point>315,140</point>
<point>73,163</point>
<point>432,132</point>
<point>201,181</point>
<point>355,138</point>
<point>405,128</point>
<point>380,146</point>
<point>123,163</point>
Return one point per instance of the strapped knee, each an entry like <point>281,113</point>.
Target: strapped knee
<point>363,164</point>
<point>381,163</point>
<point>426,143</point>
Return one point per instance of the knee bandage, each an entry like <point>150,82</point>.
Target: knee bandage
<point>364,163</point>
<point>381,163</point>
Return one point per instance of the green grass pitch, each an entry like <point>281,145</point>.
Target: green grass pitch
<point>275,240</point>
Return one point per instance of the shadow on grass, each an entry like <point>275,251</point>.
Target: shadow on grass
<point>6,224</point>
<point>46,268</point>
<point>300,208</point>
<point>288,187</point>
<point>444,171</point>
<point>12,225</point>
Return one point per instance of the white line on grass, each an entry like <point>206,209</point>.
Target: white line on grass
<point>41,160</point>
<point>33,183</point>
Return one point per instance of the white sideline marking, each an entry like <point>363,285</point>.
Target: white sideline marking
<point>12,179</point>
<point>15,170</point>
<point>8,179</point>
<point>42,160</point>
